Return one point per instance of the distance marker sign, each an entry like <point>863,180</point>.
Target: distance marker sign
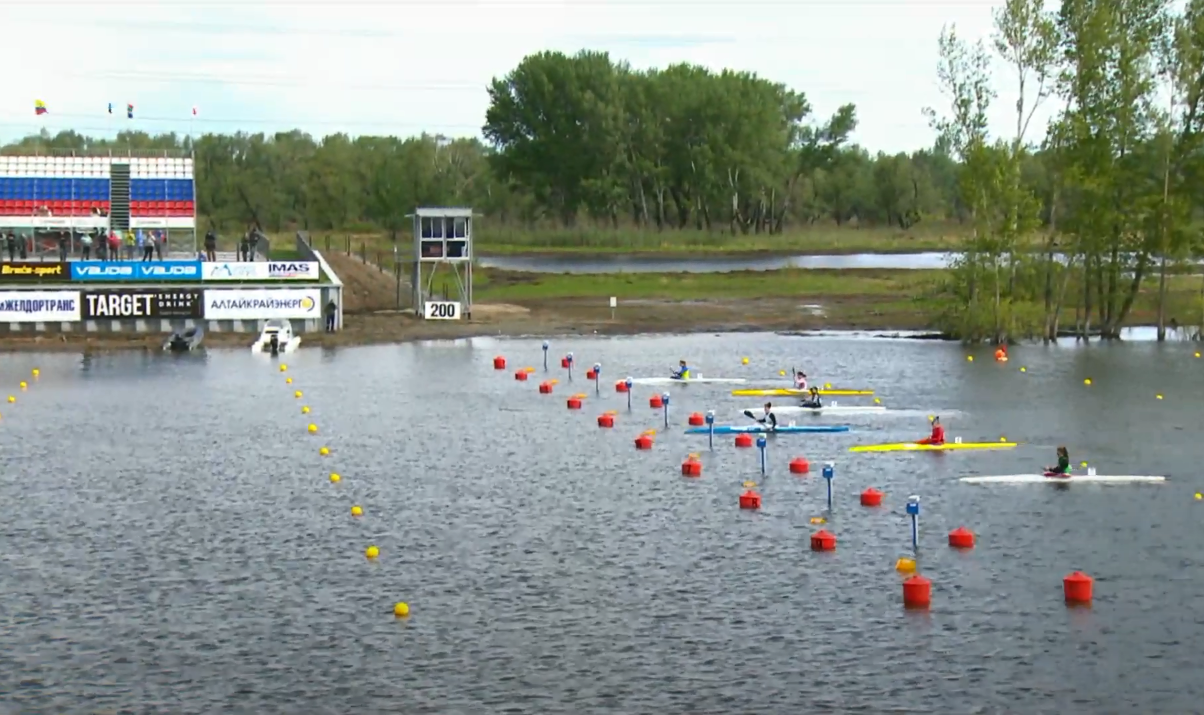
<point>119,304</point>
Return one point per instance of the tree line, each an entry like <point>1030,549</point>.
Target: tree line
<point>1106,201</point>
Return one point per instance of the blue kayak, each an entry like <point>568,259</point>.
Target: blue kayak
<point>758,429</point>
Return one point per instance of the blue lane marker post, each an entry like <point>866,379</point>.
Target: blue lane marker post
<point>913,510</point>
<point>829,474</point>
<point>628,383</point>
<point>665,401</point>
<point>569,359</point>
<point>711,429</point>
<point>597,378</point>
<point>545,355</point>
<point>761,443</point>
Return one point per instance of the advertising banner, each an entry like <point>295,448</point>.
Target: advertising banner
<point>261,271</point>
<point>33,272</point>
<point>134,303</point>
<point>135,271</point>
<point>263,304</point>
<point>39,306</point>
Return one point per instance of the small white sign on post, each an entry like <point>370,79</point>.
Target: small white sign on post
<point>614,303</point>
<point>442,310</point>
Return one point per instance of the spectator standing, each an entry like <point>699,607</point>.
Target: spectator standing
<point>148,247</point>
<point>23,244</point>
<point>85,245</point>
<point>332,311</point>
<point>10,243</point>
<point>211,245</point>
<point>244,246</point>
<point>131,244</point>
<point>160,243</point>
<point>114,246</point>
<point>64,244</point>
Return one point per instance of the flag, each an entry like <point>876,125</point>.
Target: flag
<point>39,107</point>
<point>110,107</point>
<point>129,111</point>
<point>194,111</point>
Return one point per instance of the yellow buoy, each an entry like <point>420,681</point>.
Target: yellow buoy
<point>313,428</point>
<point>905,565</point>
<point>401,610</point>
<point>1158,397</point>
<point>335,478</point>
<point>1199,496</point>
<point>11,399</point>
<point>1024,369</point>
<point>1082,464</point>
<point>324,451</point>
<point>969,358</point>
<point>781,373</point>
<point>750,484</point>
<point>1087,381</point>
<point>649,433</point>
<point>283,368</point>
<point>357,510</point>
<point>818,520</point>
<point>827,386</point>
<point>877,401</point>
<point>23,385</point>
<point>528,369</point>
<point>371,552</point>
<point>37,372</point>
<point>305,409</point>
<point>297,394</point>
<point>1002,438</point>
<point>1197,355</point>
<point>288,380</point>
<point>744,361</point>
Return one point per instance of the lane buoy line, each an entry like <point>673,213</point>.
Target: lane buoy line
<point>401,609</point>
<point>22,386</point>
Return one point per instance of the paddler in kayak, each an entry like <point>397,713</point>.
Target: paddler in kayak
<point>682,372</point>
<point>800,380</point>
<point>769,419</point>
<point>1063,468</point>
<point>813,402</point>
<point>938,434</point>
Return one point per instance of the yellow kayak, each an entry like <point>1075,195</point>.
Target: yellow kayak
<point>791,392</point>
<point>913,447</point>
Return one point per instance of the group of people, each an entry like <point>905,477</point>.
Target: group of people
<point>935,438</point>
<point>113,245</point>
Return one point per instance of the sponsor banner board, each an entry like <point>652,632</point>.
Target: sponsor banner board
<point>39,306</point>
<point>135,271</point>
<point>34,272</point>
<point>261,271</point>
<point>135,303</point>
<point>262,304</point>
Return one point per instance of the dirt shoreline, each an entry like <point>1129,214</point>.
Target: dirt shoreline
<point>535,319</point>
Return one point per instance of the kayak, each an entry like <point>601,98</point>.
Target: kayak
<point>826,409</point>
<point>1042,479</point>
<point>792,392</point>
<point>699,379</point>
<point>913,447</point>
<point>759,429</point>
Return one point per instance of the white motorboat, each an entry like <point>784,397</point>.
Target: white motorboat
<point>277,337</point>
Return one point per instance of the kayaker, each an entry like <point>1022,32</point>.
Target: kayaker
<point>683,371</point>
<point>800,380</point>
<point>1063,468</point>
<point>813,401</point>
<point>770,420</point>
<point>938,434</point>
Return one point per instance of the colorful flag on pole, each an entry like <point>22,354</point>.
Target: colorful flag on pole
<point>110,107</point>
<point>194,111</point>
<point>129,111</point>
<point>39,107</point>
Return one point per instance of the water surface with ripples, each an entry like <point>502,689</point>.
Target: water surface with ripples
<point>171,542</point>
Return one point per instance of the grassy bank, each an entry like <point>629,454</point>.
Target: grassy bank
<point>820,240</point>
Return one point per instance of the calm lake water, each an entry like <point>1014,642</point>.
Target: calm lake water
<point>171,541</point>
<point>671,264</point>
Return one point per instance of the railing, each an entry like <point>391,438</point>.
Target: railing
<point>106,151</point>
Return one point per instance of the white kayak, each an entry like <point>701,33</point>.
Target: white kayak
<point>825,410</point>
<point>1073,479</point>
<point>697,379</point>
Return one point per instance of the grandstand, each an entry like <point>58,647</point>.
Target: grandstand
<point>85,192</point>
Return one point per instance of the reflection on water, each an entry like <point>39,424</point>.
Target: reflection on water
<point>171,541</point>
<point>670,264</point>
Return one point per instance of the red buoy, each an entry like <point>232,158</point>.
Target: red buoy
<point>655,402</point>
<point>520,375</point>
<point>744,440</point>
<point>643,442</point>
<point>621,386</point>
<point>574,403</point>
<point>606,420</point>
<point>590,374</point>
<point>499,363</point>
<point>1078,588</point>
<point>917,592</point>
<point>823,540</point>
<point>799,465</point>
<point>871,497</point>
<point>691,467</point>
<point>750,500</point>
<point>564,362</point>
<point>545,388</point>
<point>961,538</point>
<point>696,419</point>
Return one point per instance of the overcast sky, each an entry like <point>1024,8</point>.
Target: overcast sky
<point>404,67</point>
